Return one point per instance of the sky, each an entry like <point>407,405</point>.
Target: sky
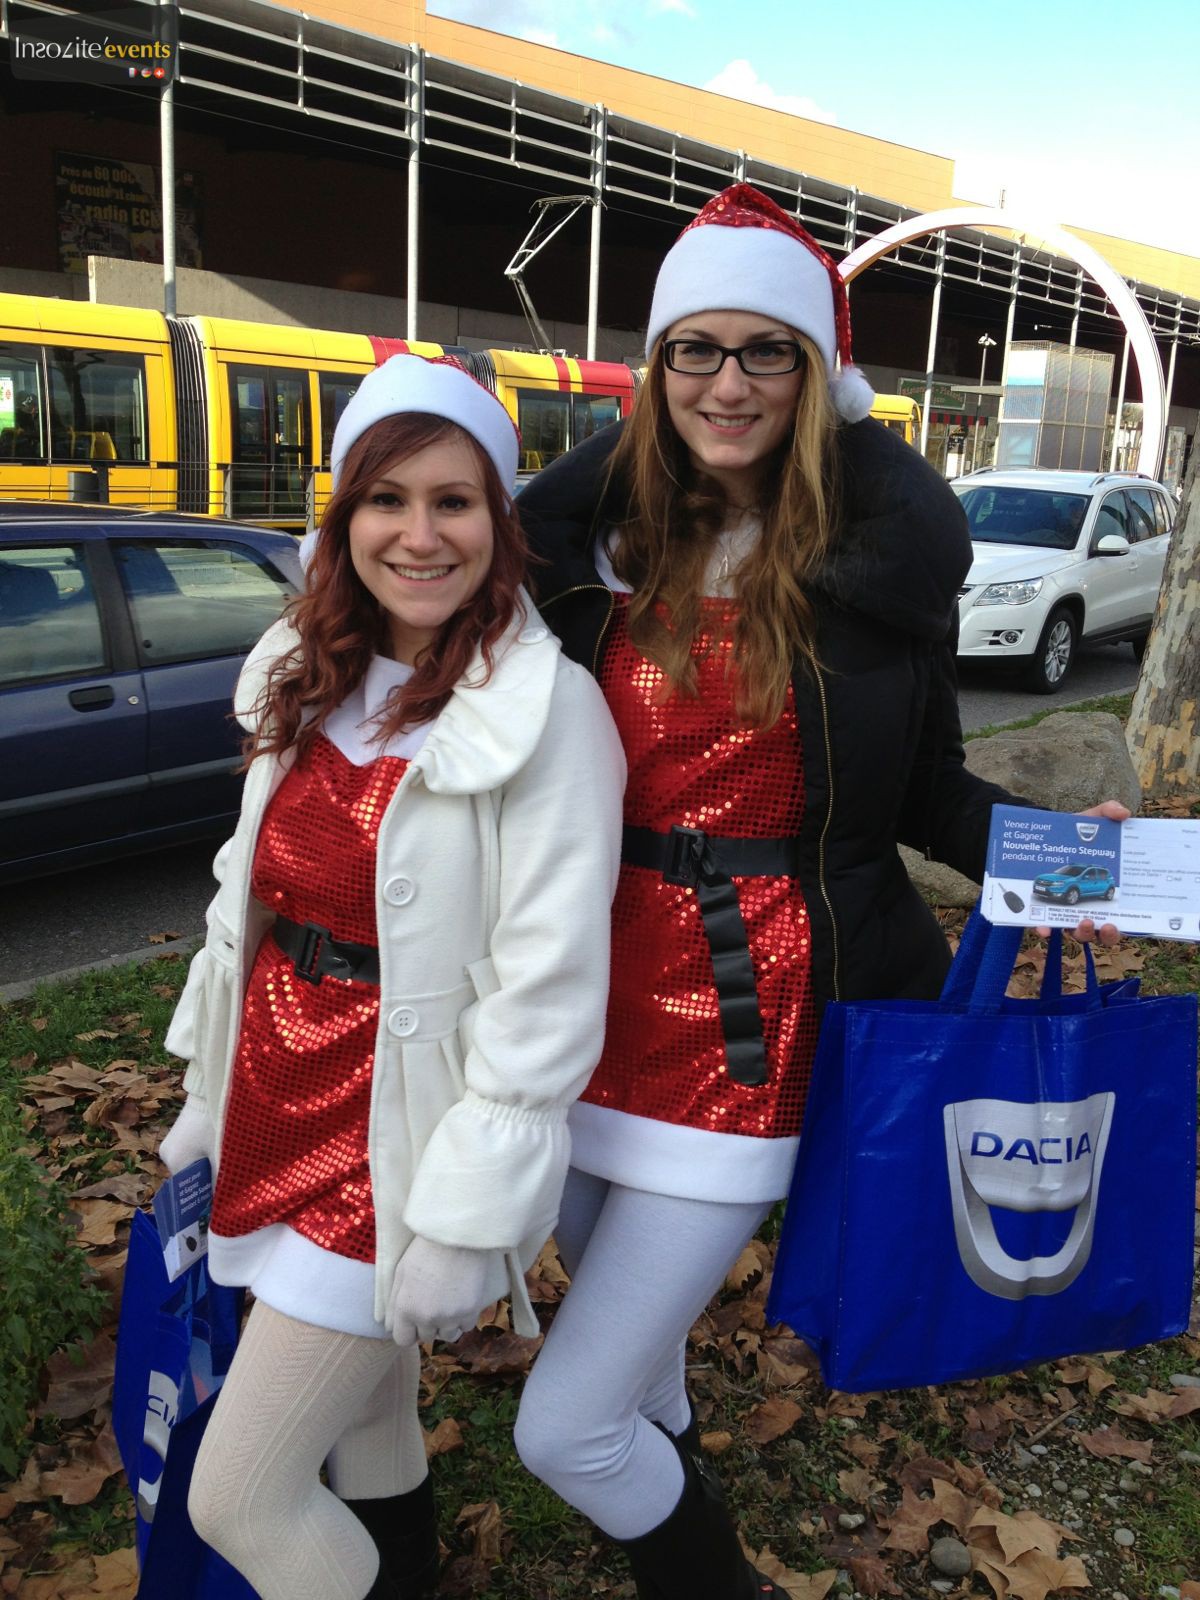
<point>1080,113</point>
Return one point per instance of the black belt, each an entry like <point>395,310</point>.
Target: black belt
<point>316,954</point>
<point>698,860</point>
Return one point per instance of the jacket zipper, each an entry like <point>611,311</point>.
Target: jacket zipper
<point>581,588</point>
<point>824,832</point>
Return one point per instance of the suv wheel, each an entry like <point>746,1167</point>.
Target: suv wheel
<point>1072,897</point>
<point>1051,662</point>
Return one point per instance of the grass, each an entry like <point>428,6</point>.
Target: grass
<point>1116,705</point>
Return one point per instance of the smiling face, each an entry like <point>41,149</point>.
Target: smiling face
<point>730,422</point>
<point>421,541</point>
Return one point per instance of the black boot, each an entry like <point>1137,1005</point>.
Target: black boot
<point>695,1554</point>
<point>689,1440</point>
<point>404,1528</point>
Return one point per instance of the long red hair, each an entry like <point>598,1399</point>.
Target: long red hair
<point>341,625</point>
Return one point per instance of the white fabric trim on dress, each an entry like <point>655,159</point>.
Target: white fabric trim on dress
<point>690,1163</point>
<point>299,1278</point>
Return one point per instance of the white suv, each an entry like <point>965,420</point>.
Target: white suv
<point>1059,557</point>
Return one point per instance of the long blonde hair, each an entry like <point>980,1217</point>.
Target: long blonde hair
<point>675,514</point>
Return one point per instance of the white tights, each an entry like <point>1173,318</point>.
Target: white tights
<point>256,1495</point>
<point>643,1267</point>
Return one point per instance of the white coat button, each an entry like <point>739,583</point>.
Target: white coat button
<point>399,891</point>
<point>403,1021</point>
<point>533,635</point>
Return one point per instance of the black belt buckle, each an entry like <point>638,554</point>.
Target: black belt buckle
<point>685,849</point>
<point>307,964</point>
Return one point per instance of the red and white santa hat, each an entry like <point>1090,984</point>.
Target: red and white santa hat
<point>742,252</point>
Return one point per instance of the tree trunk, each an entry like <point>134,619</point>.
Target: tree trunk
<point>1164,724</point>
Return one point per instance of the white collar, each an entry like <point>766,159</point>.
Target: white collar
<point>486,731</point>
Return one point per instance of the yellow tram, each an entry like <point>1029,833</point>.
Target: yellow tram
<point>227,418</point>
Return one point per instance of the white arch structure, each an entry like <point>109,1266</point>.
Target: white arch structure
<point>1141,339</point>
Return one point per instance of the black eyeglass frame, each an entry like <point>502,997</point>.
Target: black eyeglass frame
<point>738,353</point>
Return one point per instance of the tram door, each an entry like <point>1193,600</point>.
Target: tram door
<point>270,450</point>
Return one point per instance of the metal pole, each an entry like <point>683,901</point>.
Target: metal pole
<point>599,131</point>
<point>931,356</point>
<point>1112,454</point>
<point>1078,306</point>
<point>416,135</point>
<point>166,134</point>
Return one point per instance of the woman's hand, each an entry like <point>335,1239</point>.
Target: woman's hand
<point>192,1137</point>
<point>438,1291</point>
<point>1108,934</point>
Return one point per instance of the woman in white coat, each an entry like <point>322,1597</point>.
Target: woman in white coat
<point>402,989</point>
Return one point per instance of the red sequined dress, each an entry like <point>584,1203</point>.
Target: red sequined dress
<point>661,1112</point>
<point>292,1213</point>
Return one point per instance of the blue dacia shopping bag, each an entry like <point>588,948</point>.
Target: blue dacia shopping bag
<point>175,1342</point>
<point>983,1182</point>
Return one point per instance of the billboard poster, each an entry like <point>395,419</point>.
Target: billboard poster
<point>112,208</point>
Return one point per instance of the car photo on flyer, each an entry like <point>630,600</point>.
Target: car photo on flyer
<point>1048,868</point>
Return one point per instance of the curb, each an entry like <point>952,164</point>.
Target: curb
<point>150,952</point>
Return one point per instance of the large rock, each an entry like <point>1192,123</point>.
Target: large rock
<point>1068,762</point>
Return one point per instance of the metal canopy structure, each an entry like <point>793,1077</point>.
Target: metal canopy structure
<point>289,69</point>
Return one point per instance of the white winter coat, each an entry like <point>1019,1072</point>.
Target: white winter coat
<point>497,861</point>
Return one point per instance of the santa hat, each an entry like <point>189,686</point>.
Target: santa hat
<point>742,252</point>
<point>438,388</point>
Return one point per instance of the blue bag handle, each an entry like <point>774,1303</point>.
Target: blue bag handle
<point>986,955</point>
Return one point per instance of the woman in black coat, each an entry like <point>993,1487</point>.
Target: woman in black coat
<point>765,583</point>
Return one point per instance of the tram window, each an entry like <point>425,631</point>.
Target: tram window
<point>590,413</point>
<point>544,420</point>
<point>22,412</point>
<point>98,406</point>
<point>336,389</point>
<point>270,449</point>
<point>198,600</point>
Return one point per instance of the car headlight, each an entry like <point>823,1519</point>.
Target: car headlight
<point>1019,593</point>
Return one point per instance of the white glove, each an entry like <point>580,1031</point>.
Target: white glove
<point>192,1136</point>
<point>439,1291</point>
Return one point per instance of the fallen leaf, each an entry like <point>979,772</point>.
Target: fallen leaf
<point>715,1444</point>
<point>909,1524</point>
<point>772,1419</point>
<point>81,1379</point>
<point>749,1267</point>
<point>162,938</point>
<point>797,1585</point>
<point>1037,1575</point>
<point>484,1525</point>
<point>81,1479</point>
<point>101,1219</point>
<point>870,1576</point>
<point>97,1033</point>
<point>1112,1442</point>
<point>117,1575</point>
<point>1155,1406</point>
<point>488,1351</point>
<point>443,1438</point>
<point>127,1187</point>
<point>1189,1591</point>
<point>856,1483</point>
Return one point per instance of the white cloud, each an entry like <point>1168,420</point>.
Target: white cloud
<point>740,81</point>
<point>681,6</point>
<point>539,36</point>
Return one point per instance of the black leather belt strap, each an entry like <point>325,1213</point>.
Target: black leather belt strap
<point>316,954</point>
<point>698,860</point>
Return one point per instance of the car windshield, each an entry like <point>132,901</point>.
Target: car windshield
<point>1068,872</point>
<point>1042,517</point>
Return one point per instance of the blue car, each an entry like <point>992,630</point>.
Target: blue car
<point>121,637</point>
<point>1075,882</point>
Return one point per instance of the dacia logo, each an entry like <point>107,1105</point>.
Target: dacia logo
<point>1050,1151</point>
<point>1025,1157</point>
<point>1087,831</point>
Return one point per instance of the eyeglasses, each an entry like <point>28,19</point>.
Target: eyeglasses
<point>700,359</point>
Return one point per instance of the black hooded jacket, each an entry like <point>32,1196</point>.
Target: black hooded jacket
<point>879,726</point>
